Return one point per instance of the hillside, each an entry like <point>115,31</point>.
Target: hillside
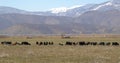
<point>93,22</point>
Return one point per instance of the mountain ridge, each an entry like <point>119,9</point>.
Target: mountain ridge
<point>90,19</point>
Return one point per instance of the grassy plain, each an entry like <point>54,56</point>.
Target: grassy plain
<point>57,53</point>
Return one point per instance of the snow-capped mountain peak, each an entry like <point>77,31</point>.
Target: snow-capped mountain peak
<point>58,10</point>
<point>76,6</point>
<point>102,5</point>
<point>109,3</point>
<point>73,11</point>
<point>63,9</point>
<point>112,4</point>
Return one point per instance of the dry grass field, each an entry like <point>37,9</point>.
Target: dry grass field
<point>59,54</point>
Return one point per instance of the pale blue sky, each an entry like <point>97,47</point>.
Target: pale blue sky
<point>43,5</point>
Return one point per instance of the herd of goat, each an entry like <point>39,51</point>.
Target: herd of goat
<point>81,43</point>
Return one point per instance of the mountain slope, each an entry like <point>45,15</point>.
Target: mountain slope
<point>92,22</point>
<point>32,24</point>
<point>6,10</point>
<point>104,22</point>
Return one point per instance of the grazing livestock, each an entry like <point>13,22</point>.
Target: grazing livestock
<point>102,43</point>
<point>68,43</point>
<point>82,43</point>
<point>51,43</point>
<point>115,43</point>
<point>89,43</point>
<point>6,43</point>
<point>75,43</point>
<point>44,43</point>
<point>94,43</point>
<point>71,43</point>
<point>25,43</point>
<point>41,43</point>
<point>37,43</point>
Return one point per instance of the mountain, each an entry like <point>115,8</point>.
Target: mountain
<point>87,19</point>
<point>63,11</point>
<point>110,5</point>
<point>106,6</point>
<point>98,22</point>
<point>34,24</point>
<point>11,10</point>
<point>6,10</point>
<point>79,10</point>
<point>92,22</point>
<point>74,11</point>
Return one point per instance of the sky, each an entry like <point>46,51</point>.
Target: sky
<point>44,5</point>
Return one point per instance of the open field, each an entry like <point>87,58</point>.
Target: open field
<point>59,54</point>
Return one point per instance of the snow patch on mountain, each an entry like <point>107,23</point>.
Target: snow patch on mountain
<point>58,10</point>
<point>63,9</point>
<point>110,5</point>
<point>102,5</point>
<point>76,6</point>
